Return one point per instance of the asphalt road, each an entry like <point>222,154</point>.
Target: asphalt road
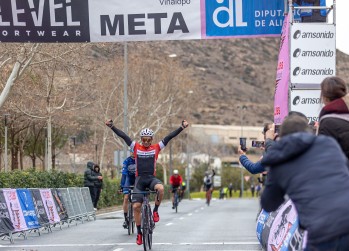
<point>224,225</point>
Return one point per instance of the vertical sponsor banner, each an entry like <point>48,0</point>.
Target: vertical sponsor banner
<point>67,202</point>
<point>49,205</point>
<point>6,225</point>
<point>27,205</point>
<point>234,18</point>
<point>282,76</point>
<point>313,53</point>
<point>61,209</point>
<point>39,206</point>
<point>140,20</point>
<point>87,199</point>
<point>15,210</point>
<point>44,21</point>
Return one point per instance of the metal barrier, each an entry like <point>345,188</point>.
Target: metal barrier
<point>24,211</point>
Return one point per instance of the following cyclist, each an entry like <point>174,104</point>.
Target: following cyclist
<point>175,183</point>
<point>146,156</point>
<point>208,182</point>
<point>184,187</point>
<point>127,180</point>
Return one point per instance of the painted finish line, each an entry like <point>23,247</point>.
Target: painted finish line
<point>132,244</point>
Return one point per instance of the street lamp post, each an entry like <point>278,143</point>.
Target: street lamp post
<point>242,108</point>
<point>74,143</point>
<point>5,154</point>
<point>188,156</point>
<point>125,95</point>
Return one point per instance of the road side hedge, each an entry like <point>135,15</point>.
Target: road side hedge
<point>43,179</point>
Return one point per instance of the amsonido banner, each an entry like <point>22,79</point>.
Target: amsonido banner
<point>137,20</point>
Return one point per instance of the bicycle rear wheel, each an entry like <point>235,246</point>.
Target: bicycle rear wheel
<point>130,220</point>
<point>176,201</point>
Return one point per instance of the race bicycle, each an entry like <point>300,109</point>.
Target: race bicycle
<point>176,198</point>
<point>147,223</point>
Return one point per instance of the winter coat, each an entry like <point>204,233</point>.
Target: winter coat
<point>334,122</point>
<point>89,176</point>
<point>97,183</point>
<point>313,172</point>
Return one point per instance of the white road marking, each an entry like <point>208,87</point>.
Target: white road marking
<point>169,224</point>
<point>202,208</point>
<point>181,218</point>
<point>132,244</point>
<point>190,214</point>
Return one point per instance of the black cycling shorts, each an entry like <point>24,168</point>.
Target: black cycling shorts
<point>208,187</point>
<point>141,184</point>
<point>174,188</point>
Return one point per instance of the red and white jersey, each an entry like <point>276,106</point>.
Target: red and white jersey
<point>146,157</point>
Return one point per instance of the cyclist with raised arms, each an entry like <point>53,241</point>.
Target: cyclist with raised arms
<point>208,182</point>
<point>175,182</point>
<point>127,180</point>
<point>146,156</point>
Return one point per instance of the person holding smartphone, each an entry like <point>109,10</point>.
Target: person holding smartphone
<point>257,167</point>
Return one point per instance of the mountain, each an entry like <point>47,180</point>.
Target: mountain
<point>231,73</point>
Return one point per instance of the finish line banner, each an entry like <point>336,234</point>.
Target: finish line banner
<point>137,20</point>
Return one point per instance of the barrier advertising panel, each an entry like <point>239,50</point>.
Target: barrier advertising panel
<point>278,230</point>
<point>49,205</point>
<point>57,197</point>
<point>14,207</point>
<point>67,202</point>
<point>137,20</point>
<point>28,209</point>
<point>39,207</point>
<point>5,219</point>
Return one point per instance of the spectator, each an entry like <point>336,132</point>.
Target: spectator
<point>89,180</point>
<point>299,162</point>
<point>334,117</point>
<point>309,15</point>
<point>98,184</point>
<point>230,187</point>
<point>269,136</point>
<point>252,189</point>
<point>258,190</point>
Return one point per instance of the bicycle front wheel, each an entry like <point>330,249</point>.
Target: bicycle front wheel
<point>145,228</point>
<point>176,201</point>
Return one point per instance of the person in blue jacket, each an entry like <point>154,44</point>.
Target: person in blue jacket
<point>313,172</point>
<point>257,167</point>
<point>127,179</point>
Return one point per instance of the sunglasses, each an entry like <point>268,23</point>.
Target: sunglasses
<point>146,140</point>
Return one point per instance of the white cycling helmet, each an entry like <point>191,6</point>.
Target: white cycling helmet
<point>146,132</point>
<point>175,171</point>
